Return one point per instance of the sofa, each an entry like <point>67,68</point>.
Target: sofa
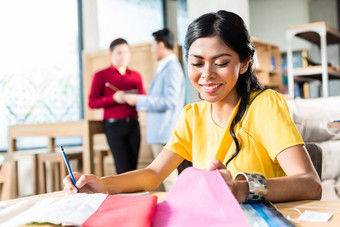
<point>310,117</point>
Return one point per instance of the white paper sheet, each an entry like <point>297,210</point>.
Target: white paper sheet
<point>313,216</point>
<point>71,210</point>
<point>10,211</point>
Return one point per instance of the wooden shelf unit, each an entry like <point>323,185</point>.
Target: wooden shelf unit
<point>321,34</point>
<point>314,72</point>
<point>267,62</point>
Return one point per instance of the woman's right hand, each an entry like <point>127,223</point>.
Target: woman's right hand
<point>85,183</point>
<point>239,189</point>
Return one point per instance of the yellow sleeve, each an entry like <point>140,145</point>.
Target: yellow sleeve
<point>276,130</point>
<point>181,140</point>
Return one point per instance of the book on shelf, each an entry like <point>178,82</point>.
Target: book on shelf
<point>272,63</point>
<point>309,89</point>
<point>315,89</point>
<point>306,90</point>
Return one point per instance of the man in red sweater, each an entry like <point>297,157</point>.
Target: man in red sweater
<point>120,120</point>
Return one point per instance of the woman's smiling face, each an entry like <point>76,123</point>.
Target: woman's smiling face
<point>214,68</point>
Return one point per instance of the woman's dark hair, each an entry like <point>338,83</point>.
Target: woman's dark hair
<point>117,42</point>
<point>165,36</point>
<point>231,29</point>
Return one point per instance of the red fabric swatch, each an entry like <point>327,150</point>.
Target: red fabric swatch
<point>124,211</point>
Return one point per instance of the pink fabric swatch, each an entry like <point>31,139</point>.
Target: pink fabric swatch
<point>199,198</point>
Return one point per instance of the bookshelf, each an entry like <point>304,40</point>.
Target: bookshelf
<point>267,62</point>
<point>321,34</point>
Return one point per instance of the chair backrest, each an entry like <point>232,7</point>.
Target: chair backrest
<point>315,153</point>
<point>5,181</point>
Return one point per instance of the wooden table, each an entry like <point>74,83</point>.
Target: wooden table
<point>320,206</point>
<point>284,208</point>
<point>86,129</point>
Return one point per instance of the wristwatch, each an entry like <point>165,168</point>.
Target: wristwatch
<point>257,185</point>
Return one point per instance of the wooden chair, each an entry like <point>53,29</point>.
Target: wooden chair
<point>59,170</point>
<point>31,155</point>
<point>5,181</point>
<point>100,157</point>
<point>57,167</point>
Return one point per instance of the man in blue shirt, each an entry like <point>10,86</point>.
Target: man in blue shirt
<point>166,97</point>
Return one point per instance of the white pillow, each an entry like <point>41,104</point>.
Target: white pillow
<point>330,159</point>
<point>309,114</point>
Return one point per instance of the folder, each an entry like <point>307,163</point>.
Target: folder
<point>124,211</point>
<point>200,198</point>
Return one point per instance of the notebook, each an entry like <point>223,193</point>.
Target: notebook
<point>124,211</point>
<point>90,210</point>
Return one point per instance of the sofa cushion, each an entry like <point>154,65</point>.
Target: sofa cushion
<point>328,191</point>
<point>309,114</point>
<point>330,159</point>
<point>337,186</point>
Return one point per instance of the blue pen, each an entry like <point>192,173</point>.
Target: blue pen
<point>68,168</point>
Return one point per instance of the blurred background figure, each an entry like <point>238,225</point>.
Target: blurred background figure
<point>120,119</point>
<point>166,97</point>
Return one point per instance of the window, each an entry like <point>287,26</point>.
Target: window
<point>39,73</point>
<point>133,20</point>
<point>182,21</point>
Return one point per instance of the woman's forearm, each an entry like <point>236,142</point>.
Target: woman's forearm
<point>288,188</point>
<point>133,181</point>
<point>295,187</point>
<point>302,181</point>
<point>145,179</point>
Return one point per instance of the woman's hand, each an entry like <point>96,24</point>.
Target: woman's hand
<point>85,183</point>
<point>217,164</point>
<point>238,188</point>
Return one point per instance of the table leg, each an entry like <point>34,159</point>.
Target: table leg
<point>88,149</point>
<point>14,177</point>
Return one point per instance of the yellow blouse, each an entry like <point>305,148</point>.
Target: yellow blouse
<point>265,130</point>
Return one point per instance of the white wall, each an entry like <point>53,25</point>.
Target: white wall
<point>195,9</point>
<point>319,11</point>
<point>198,7</point>
<point>326,10</point>
<point>90,25</point>
<point>269,18</point>
<point>171,17</point>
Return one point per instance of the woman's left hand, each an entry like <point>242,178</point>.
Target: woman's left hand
<point>238,188</point>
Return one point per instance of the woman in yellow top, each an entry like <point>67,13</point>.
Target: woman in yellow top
<point>238,127</point>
